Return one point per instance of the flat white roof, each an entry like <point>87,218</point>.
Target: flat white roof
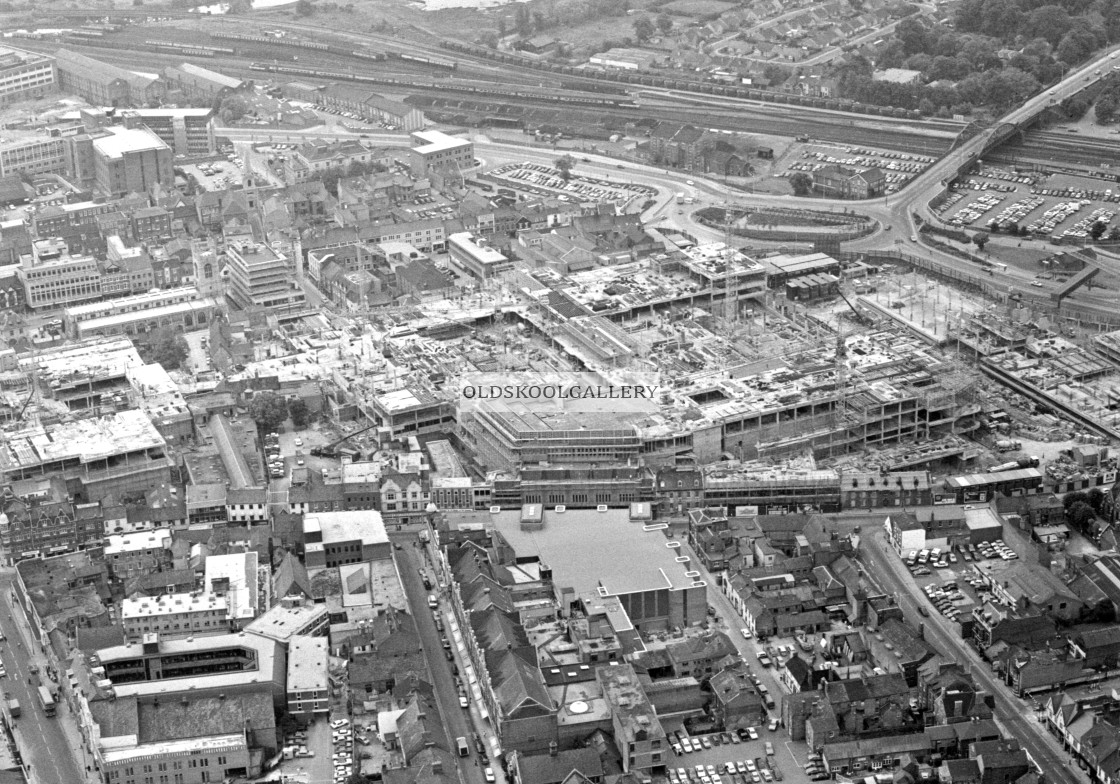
<point>138,541</point>
<point>363,525</point>
<point>170,604</point>
<point>435,141</point>
<point>307,663</point>
<point>241,571</point>
<point>122,141</point>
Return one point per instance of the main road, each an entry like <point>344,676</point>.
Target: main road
<point>884,567</point>
<point>45,746</point>
<point>412,561</point>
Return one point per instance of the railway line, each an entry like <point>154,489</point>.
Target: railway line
<point>1049,146</point>
<point>527,71</point>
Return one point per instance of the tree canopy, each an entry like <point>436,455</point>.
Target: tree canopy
<point>268,410</point>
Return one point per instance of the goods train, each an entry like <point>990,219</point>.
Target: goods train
<point>265,40</point>
<point>477,88</point>
<point>191,49</point>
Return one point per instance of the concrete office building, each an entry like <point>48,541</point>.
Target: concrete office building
<point>336,538</point>
<point>475,257</point>
<point>25,75</point>
<point>53,278</point>
<point>261,277</point>
<point>175,615</point>
<point>434,150</point>
<point>308,678</point>
<point>131,160</point>
<point>185,131</point>
<point>31,153</point>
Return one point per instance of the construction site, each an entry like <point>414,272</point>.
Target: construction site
<point>763,360</point>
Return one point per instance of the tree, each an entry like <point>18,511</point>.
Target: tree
<point>168,349</point>
<point>981,238</point>
<point>1050,22</point>
<point>1080,515</point>
<point>564,164</point>
<point>1076,46</point>
<point>1076,497</point>
<point>502,28</point>
<point>1106,107</point>
<point>268,410</point>
<point>664,23</point>
<point>643,28</point>
<point>232,109</point>
<point>774,74</point>
<point>299,413</point>
<point>304,8</point>
<point>237,7</point>
<point>1097,230</point>
<point>288,723</point>
<point>801,183</point>
<point>357,778</point>
<point>1096,499</point>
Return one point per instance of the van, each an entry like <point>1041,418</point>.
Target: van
<point>912,558</point>
<point>935,556</point>
<point>923,557</point>
<point>464,749</point>
<point>432,601</point>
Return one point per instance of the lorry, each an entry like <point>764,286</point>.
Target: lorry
<point>424,537</point>
<point>680,198</point>
<point>1008,445</point>
<point>13,705</point>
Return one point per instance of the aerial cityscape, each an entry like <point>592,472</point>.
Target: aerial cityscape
<point>560,391</point>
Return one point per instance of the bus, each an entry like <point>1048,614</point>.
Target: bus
<point>47,700</point>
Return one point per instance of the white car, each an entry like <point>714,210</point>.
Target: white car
<point>489,774</point>
<point>746,633</point>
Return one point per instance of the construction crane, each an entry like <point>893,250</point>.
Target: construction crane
<point>328,450</point>
<point>861,317</point>
<point>27,401</point>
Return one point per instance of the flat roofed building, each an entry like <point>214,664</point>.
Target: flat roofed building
<point>121,452</point>
<point>437,150</point>
<point>475,257</point>
<point>194,760</point>
<point>504,438</point>
<point>235,577</point>
<point>308,678</point>
<point>261,277</point>
<point>185,131</point>
<point>25,75</point>
<point>175,615</point>
<point>597,556</point>
<point>291,618</point>
<point>23,152</point>
<point>131,160</point>
<point>638,733</point>
<point>336,538</point>
<point>204,666</point>
<point>53,278</point>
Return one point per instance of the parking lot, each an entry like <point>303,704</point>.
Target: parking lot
<point>216,175</point>
<point>957,581</point>
<point>547,181</point>
<point>1058,207</point>
<point>899,168</point>
<point>712,754</point>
